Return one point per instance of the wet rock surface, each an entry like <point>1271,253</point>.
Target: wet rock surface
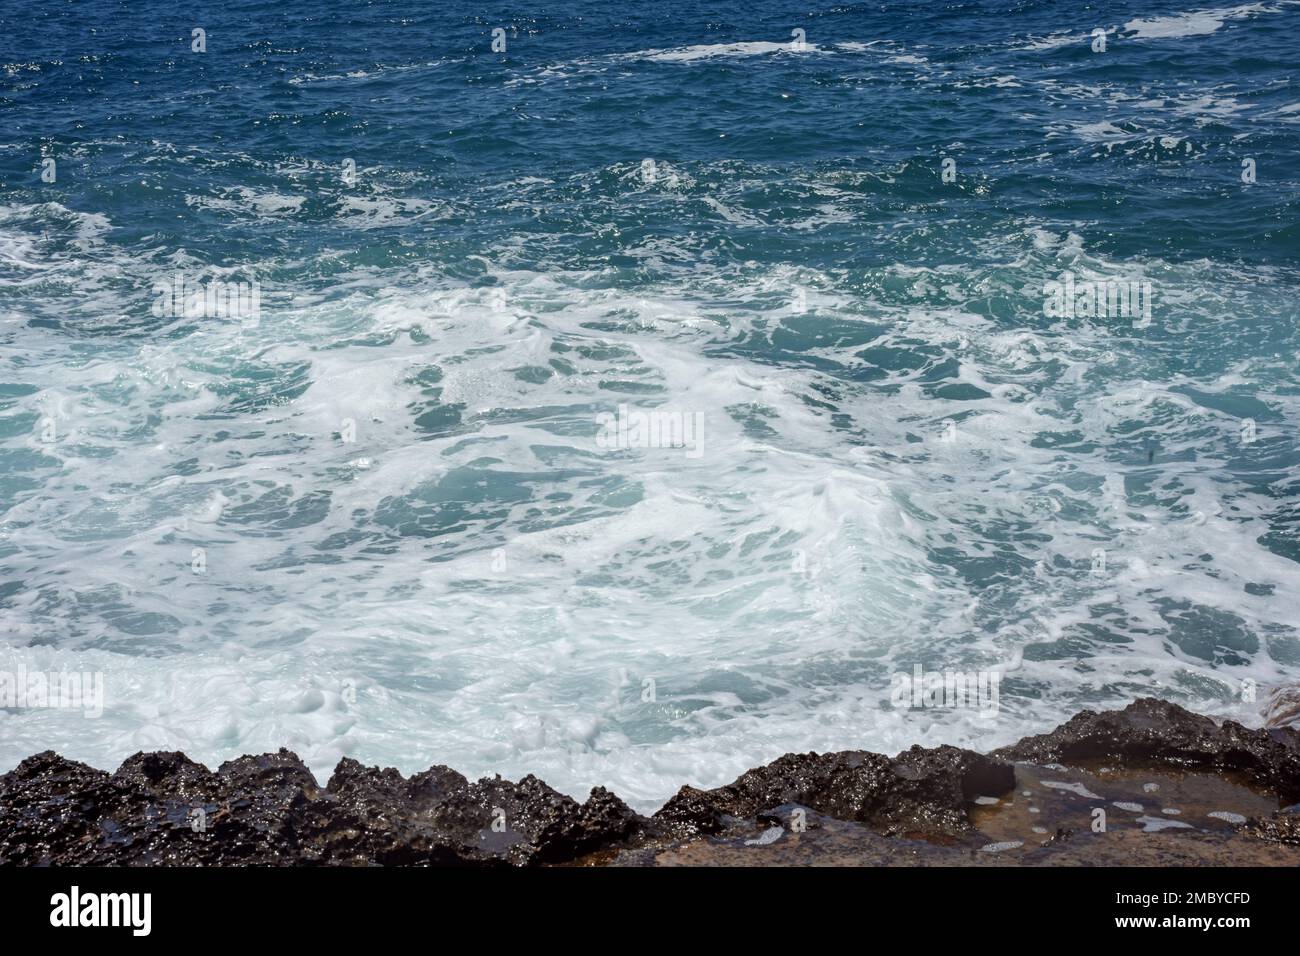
<point>1152,732</point>
<point>163,808</point>
<point>1281,827</point>
<point>1151,784</point>
<point>921,793</point>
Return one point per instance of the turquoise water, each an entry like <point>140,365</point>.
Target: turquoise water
<point>381,516</point>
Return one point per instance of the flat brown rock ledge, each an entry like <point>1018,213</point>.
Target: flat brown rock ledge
<point>1151,784</point>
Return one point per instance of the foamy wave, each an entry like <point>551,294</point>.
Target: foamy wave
<point>1195,23</point>
<point>243,201</point>
<point>704,51</point>
<point>471,578</point>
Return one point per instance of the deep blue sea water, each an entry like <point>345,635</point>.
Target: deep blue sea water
<point>380,517</point>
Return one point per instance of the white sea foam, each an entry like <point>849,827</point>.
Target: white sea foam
<point>474,581</point>
<point>701,51</point>
<point>243,201</point>
<point>1194,23</point>
<point>1056,40</point>
<point>708,52</point>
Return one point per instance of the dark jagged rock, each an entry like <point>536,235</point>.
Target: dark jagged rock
<point>268,810</point>
<point>372,815</point>
<point>920,792</point>
<point>690,812</point>
<point>535,822</point>
<point>167,774</point>
<point>51,808</point>
<point>438,817</point>
<point>1155,765</point>
<point>1150,733</point>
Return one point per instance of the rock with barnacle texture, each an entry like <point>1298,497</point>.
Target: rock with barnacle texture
<point>163,808</point>
<point>1281,827</point>
<point>1156,733</point>
<point>922,806</point>
<point>920,793</point>
<point>439,817</point>
<point>51,811</point>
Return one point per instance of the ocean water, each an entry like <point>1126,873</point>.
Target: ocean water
<point>380,515</point>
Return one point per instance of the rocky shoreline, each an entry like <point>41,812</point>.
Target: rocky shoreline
<point>1152,784</point>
